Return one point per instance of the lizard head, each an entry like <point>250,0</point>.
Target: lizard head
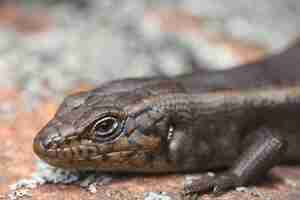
<point>94,131</point>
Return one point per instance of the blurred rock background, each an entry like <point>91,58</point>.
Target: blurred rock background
<point>48,46</point>
<point>54,47</point>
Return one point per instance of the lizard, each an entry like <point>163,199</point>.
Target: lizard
<point>240,121</point>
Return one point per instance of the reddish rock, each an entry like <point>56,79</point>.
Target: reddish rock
<point>14,16</point>
<point>18,162</point>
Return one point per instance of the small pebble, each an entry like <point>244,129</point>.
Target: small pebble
<point>290,182</point>
<point>256,193</point>
<point>92,188</point>
<point>156,196</point>
<point>18,194</point>
<point>241,189</point>
<point>24,183</point>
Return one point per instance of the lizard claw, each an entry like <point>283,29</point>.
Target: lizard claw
<point>216,185</point>
<point>199,185</point>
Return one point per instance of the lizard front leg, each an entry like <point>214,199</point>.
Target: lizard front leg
<point>265,150</point>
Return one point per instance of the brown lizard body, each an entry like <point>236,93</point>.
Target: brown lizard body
<point>244,119</point>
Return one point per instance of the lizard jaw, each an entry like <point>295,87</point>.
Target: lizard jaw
<point>90,157</point>
<point>84,154</point>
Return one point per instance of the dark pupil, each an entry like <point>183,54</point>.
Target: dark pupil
<point>105,126</point>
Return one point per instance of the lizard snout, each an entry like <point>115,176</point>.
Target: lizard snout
<point>48,138</point>
<point>51,138</point>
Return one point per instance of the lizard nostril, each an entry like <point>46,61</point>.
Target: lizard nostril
<point>51,142</point>
<point>48,138</point>
<point>45,147</point>
<point>47,144</point>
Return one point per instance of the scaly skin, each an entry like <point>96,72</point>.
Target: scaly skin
<point>244,119</point>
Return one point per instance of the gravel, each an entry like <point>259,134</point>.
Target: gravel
<point>88,180</point>
<point>156,196</point>
<point>107,40</point>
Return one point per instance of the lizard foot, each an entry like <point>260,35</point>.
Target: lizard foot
<point>217,185</point>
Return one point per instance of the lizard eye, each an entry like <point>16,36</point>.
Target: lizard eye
<point>105,127</point>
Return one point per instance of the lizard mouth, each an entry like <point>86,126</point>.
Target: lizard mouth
<point>122,154</point>
<point>76,149</point>
<point>79,155</point>
<point>71,149</point>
